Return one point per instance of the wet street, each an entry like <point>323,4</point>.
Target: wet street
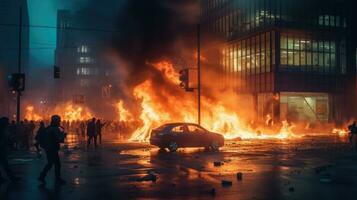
<point>308,168</point>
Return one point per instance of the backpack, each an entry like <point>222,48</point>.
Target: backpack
<point>43,138</point>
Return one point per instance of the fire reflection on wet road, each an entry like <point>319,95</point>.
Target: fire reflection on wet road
<point>310,167</point>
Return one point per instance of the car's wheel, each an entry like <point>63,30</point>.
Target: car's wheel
<point>214,146</point>
<point>173,147</point>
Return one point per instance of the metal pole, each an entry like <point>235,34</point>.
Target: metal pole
<point>18,99</point>
<point>199,72</point>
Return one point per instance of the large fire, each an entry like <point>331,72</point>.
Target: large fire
<point>68,111</point>
<point>72,112</point>
<point>160,106</point>
<point>30,114</point>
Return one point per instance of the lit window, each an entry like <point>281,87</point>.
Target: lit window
<point>85,60</point>
<point>82,49</point>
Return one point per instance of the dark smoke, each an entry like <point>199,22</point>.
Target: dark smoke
<point>153,30</point>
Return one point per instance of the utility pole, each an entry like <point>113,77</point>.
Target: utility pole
<point>199,72</point>
<point>18,99</point>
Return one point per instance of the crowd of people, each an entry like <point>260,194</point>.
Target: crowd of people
<point>47,136</point>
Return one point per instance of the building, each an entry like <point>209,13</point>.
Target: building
<point>86,76</point>
<point>296,58</point>
<point>9,49</point>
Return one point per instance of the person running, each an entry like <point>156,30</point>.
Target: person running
<point>50,141</point>
<point>98,127</point>
<point>91,132</point>
<point>4,123</point>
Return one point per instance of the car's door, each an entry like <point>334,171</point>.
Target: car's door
<point>198,135</point>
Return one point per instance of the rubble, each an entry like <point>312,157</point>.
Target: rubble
<point>226,183</point>
<point>239,176</point>
<point>217,163</point>
<point>149,177</point>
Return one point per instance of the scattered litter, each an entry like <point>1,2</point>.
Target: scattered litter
<point>217,164</point>
<point>239,176</point>
<point>226,183</point>
<point>326,178</point>
<point>291,189</point>
<point>149,177</point>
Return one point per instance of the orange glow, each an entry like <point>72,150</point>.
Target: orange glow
<point>30,114</point>
<point>168,69</point>
<point>217,117</point>
<point>67,111</point>
<point>124,114</point>
<point>340,132</point>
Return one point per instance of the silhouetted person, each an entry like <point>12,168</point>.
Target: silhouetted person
<point>91,132</point>
<point>50,142</point>
<point>39,135</point>
<point>20,132</point>
<point>83,129</point>
<point>353,131</point>
<point>32,127</point>
<point>12,134</point>
<point>4,123</point>
<point>26,134</point>
<point>98,127</point>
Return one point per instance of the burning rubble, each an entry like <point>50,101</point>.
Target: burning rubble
<point>68,111</point>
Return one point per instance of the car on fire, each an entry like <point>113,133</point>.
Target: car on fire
<point>179,135</point>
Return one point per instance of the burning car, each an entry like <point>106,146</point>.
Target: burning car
<point>177,135</point>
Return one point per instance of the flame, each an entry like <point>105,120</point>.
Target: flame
<point>68,112</point>
<point>150,115</point>
<point>340,132</point>
<point>169,71</point>
<point>73,112</point>
<point>177,108</point>
<point>30,114</point>
<point>124,114</point>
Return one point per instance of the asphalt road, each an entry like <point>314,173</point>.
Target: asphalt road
<point>308,168</point>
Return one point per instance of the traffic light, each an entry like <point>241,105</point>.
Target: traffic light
<point>17,82</point>
<point>56,72</point>
<point>184,78</point>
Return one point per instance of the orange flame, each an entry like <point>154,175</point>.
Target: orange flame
<point>73,112</point>
<point>30,114</point>
<point>340,132</point>
<point>217,118</point>
<point>124,114</point>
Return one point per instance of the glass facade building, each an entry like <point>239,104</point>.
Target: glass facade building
<point>296,49</point>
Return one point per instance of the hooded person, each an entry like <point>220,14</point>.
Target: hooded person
<point>50,141</point>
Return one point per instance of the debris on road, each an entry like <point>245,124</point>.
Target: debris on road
<point>217,163</point>
<point>239,176</point>
<point>226,183</point>
<point>322,168</point>
<point>212,192</point>
<point>149,177</point>
<point>291,189</point>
